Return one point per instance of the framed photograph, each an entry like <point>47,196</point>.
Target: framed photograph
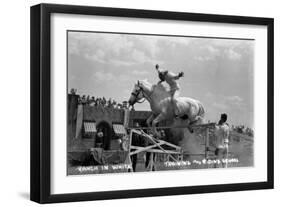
<point>133,103</point>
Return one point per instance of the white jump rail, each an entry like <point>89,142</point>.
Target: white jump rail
<point>159,143</point>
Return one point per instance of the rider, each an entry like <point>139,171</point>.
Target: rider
<point>171,79</point>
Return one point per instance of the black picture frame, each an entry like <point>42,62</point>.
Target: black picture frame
<point>41,98</point>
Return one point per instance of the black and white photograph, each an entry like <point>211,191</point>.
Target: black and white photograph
<point>147,102</point>
<point>134,103</point>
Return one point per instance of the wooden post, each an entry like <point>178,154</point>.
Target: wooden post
<point>79,122</point>
<point>207,143</point>
<point>128,160</point>
<point>126,118</point>
<point>151,161</point>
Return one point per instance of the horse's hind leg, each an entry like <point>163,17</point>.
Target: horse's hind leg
<point>197,120</point>
<point>200,120</point>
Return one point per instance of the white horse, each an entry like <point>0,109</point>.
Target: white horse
<point>162,107</point>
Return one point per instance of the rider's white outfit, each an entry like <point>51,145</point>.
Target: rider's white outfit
<point>171,79</point>
<point>222,135</point>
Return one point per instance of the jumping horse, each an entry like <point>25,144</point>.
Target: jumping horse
<point>161,105</point>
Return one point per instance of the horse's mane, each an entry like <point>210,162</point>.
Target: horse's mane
<point>155,87</point>
<point>160,87</point>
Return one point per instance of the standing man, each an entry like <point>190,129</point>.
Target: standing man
<point>99,139</point>
<point>222,130</point>
<point>171,79</point>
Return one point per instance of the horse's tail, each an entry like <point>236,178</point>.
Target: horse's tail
<point>201,111</point>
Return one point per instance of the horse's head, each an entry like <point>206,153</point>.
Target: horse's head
<point>137,94</point>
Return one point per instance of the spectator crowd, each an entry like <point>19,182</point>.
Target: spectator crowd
<point>243,130</point>
<point>100,101</point>
<point>111,103</point>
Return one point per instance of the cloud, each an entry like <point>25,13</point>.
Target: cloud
<point>123,77</point>
<point>140,72</point>
<point>206,52</point>
<point>174,42</point>
<point>119,63</point>
<point>222,50</point>
<point>212,50</point>
<point>203,58</point>
<point>232,55</point>
<point>220,106</point>
<point>223,102</point>
<point>139,56</point>
<point>147,44</point>
<point>115,49</point>
<point>234,101</point>
<point>126,91</point>
<point>123,49</point>
<point>103,76</point>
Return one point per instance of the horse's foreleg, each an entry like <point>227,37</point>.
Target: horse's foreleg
<point>159,118</point>
<point>149,120</point>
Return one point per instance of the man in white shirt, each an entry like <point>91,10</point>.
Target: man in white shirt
<point>222,131</point>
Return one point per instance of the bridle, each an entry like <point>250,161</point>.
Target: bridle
<point>136,94</point>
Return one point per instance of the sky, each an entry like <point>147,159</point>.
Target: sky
<point>218,72</point>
